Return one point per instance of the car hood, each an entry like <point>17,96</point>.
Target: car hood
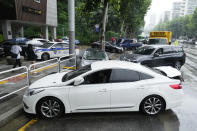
<point>87,62</point>
<point>134,57</point>
<point>169,71</point>
<point>48,81</point>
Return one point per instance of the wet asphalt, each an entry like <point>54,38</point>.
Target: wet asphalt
<point>182,118</point>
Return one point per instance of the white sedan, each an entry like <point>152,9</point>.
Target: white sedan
<point>104,86</point>
<point>53,50</point>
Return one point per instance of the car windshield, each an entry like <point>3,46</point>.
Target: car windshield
<point>75,73</point>
<point>94,55</point>
<point>157,41</point>
<point>146,50</point>
<point>46,45</point>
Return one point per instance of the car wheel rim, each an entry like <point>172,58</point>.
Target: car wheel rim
<point>152,105</point>
<point>50,108</point>
<point>45,57</point>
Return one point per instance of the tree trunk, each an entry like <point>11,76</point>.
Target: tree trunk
<point>105,12</point>
<point>122,28</point>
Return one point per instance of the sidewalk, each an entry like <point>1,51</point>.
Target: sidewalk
<point>4,65</point>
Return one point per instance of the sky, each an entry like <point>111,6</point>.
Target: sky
<point>158,7</point>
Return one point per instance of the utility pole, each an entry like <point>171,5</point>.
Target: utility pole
<point>105,12</point>
<point>71,23</point>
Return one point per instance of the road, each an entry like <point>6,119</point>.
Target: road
<point>182,118</point>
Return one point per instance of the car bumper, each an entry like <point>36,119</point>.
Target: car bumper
<point>28,105</point>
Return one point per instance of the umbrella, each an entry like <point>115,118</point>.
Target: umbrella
<point>34,42</point>
<point>18,40</point>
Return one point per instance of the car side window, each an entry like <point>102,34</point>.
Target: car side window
<point>159,51</point>
<point>98,77</point>
<point>178,49</point>
<point>123,75</point>
<point>144,76</point>
<point>57,46</point>
<point>168,50</point>
<point>64,45</point>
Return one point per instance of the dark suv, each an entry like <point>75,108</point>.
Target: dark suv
<point>157,55</point>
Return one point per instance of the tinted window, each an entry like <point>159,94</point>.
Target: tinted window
<point>46,45</point>
<point>64,45</point>
<point>98,77</point>
<point>144,76</point>
<point>123,75</point>
<point>168,50</point>
<point>75,73</point>
<point>145,50</point>
<point>178,49</point>
<point>94,55</point>
<point>57,46</point>
<point>159,51</point>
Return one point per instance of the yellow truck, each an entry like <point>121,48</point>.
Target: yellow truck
<point>160,38</point>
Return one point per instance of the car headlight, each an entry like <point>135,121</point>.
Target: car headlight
<point>30,92</point>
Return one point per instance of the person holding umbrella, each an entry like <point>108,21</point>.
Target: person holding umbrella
<point>15,50</point>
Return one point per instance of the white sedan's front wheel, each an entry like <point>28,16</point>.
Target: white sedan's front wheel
<point>152,105</point>
<point>50,108</point>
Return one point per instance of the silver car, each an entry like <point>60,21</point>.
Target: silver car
<point>92,55</point>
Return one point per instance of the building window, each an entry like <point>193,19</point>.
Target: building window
<point>37,1</point>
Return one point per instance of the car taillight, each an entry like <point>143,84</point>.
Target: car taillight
<point>176,86</point>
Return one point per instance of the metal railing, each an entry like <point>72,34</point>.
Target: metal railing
<point>67,58</point>
<point>38,67</point>
<point>6,80</point>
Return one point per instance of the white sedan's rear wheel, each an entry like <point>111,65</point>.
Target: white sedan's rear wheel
<point>152,105</point>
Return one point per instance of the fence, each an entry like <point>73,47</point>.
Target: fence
<point>22,77</point>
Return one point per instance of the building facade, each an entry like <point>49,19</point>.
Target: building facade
<point>190,6</point>
<point>178,9</point>
<point>41,13</point>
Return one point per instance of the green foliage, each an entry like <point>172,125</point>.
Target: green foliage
<point>128,14</point>
<point>1,38</point>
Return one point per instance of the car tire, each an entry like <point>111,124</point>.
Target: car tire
<point>177,65</point>
<point>152,105</point>
<point>45,57</point>
<point>50,107</point>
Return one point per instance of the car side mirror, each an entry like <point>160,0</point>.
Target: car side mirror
<point>156,55</point>
<point>78,81</point>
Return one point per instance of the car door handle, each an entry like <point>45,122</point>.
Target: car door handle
<point>103,90</point>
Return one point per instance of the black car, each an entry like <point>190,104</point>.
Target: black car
<point>7,44</point>
<point>108,47</point>
<point>157,55</point>
<point>2,53</point>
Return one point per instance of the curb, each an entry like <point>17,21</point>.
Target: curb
<point>9,115</point>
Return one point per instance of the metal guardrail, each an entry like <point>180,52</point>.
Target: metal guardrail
<point>69,57</point>
<point>5,80</point>
<point>40,66</point>
<point>36,68</point>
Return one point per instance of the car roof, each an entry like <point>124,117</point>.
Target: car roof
<point>122,65</point>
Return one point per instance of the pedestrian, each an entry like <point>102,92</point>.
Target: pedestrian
<point>31,56</point>
<point>15,50</point>
<point>113,40</point>
<point>176,43</point>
